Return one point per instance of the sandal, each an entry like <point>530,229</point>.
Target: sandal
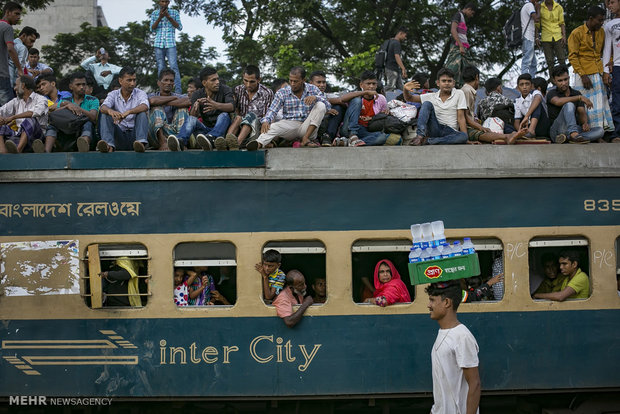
<point>358,143</point>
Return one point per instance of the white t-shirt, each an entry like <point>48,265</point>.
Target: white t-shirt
<point>453,350</point>
<point>522,105</point>
<point>446,112</point>
<point>526,16</point>
<point>612,43</point>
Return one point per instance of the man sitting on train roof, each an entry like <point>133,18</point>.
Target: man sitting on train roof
<point>23,119</point>
<point>169,111</point>
<point>576,284</point>
<point>553,278</point>
<point>292,294</point>
<point>303,108</point>
<point>124,120</point>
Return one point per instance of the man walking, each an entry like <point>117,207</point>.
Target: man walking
<point>395,70</point>
<point>456,380</point>
<point>552,33</point>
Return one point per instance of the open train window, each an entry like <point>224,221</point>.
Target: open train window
<point>491,256</point>
<point>618,265</point>
<point>124,276</point>
<point>552,267</point>
<point>366,255</point>
<point>306,256</point>
<point>209,272</point>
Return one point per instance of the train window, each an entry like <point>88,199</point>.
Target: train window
<point>306,256</point>
<point>618,265</point>
<point>209,270</point>
<point>366,255</point>
<point>553,268</point>
<point>124,276</point>
<point>491,256</point>
<point>39,268</point>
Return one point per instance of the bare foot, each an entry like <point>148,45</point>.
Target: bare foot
<point>515,136</point>
<point>164,147</point>
<point>474,143</point>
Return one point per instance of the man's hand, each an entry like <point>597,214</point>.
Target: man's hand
<point>209,104</point>
<point>34,72</point>
<point>105,73</point>
<point>265,127</point>
<point>411,86</point>
<point>585,80</point>
<point>563,41</point>
<point>259,269</point>
<point>537,42</point>
<point>369,94</point>
<point>587,102</point>
<point>332,111</point>
<point>116,116</point>
<point>495,279</point>
<point>607,79</point>
<point>404,73</point>
<point>4,121</point>
<point>462,50</point>
<point>524,123</point>
<point>216,296</point>
<point>585,127</point>
<point>310,100</point>
<point>74,108</point>
<point>365,118</point>
<point>308,301</point>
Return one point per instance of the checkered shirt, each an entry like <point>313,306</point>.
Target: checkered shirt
<point>164,34</point>
<point>294,109</point>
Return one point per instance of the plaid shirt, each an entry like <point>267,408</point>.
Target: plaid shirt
<point>258,105</point>
<point>486,106</point>
<point>294,109</point>
<point>164,33</point>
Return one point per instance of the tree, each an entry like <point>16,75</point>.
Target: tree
<point>340,36</point>
<point>130,45</point>
<point>31,4</point>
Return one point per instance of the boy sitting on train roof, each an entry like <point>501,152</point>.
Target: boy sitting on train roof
<point>294,293</point>
<point>576,284</point>
<point>273,277</point>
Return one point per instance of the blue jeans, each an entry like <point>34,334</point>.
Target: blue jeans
<point>351,125</point>
<point>6,91</point>
<point>615,98</point>
<point>528,61</point>
<point>170,53</point>
<point>121,140</point>
<point>566,123</point>
<point>429,126</point>
<point>193,126</point>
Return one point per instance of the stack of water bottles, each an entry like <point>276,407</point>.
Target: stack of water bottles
<point>429,243</point>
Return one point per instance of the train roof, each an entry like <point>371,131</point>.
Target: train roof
<point>431,162</point>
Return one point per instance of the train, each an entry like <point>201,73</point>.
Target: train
<point>332,213</point>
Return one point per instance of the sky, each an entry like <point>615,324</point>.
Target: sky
<point>119,12</point>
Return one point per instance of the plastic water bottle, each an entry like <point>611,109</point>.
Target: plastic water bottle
<point>457,250</point>
<point>438,232</point>
<point>424,254</point>
<point>427,234</point>
<point>416,234</point>
<point>445,250</point>
<point>435,253</point>
<point>414,255</point>
<point>468,246</point>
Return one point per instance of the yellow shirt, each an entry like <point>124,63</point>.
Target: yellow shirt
<point>582,55</point>
<point>550,22</point>
<point>580,283</point>
<point>551,285</point>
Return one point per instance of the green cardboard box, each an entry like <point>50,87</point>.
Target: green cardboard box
<point>441,270</point>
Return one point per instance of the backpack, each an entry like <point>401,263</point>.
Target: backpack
<point>512,30</point>
<point>381,56</point>
<point>66,121</point>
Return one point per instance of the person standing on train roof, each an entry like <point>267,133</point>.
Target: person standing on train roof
<point>454,356</point>
<point>576,284</point>
<point>293,294</point>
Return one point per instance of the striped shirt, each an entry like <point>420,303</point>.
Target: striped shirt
<point>88,103</point>
<point>258,104</point>
<point>165,31</point>
<point>294,108</point>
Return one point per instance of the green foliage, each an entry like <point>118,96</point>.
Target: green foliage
<point>340,36</point>
<point>30,4</point>
<point>130,45</point>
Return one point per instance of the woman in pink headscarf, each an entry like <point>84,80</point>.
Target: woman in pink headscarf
<point>389,289</point>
